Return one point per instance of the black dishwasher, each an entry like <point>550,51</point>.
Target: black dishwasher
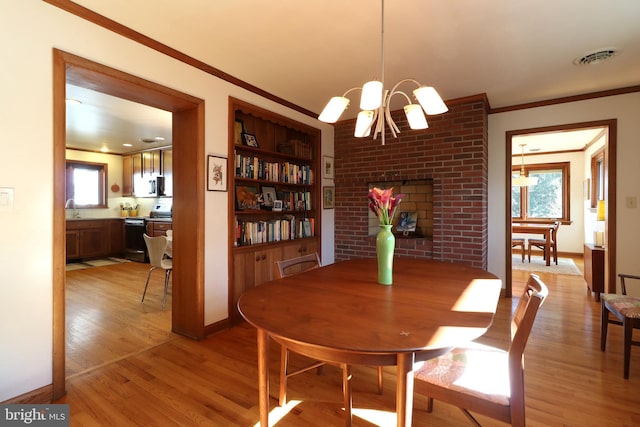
<point>135,248</point>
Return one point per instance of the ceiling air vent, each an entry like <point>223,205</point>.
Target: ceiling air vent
<point>597,56</point>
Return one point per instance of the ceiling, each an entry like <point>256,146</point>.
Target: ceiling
<point>306,52</point>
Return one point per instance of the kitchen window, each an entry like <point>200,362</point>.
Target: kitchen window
<point>547,200</point>
<point>87,184</point>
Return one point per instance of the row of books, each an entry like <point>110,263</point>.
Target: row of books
<point>255,168</point>
<point>256,232</point>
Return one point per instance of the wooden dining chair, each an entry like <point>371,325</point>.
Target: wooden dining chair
<point>156,246</point>
<point>626,310</point>
<point>484,379</point>
<point>518,242</point>
<point>290,267</point>
<point>542,243</point>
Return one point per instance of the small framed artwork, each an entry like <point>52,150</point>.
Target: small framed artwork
<point>407,222</point>
<point>268,195</point>
<point>328,197</point>
<point>247,197</point>
<point>327,167</point>
<point>587,189</point>
<point>216,173</point>
<point>238,130</point>
<point>249,139</point>
<point>277,206</point>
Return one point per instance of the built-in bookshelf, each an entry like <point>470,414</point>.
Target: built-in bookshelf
<point>274,194</point>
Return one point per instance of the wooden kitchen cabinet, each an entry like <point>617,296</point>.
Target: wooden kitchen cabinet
<point>151,164</point>
<point>594,268</point>
<point>94,238</point>
<point>158,228</point>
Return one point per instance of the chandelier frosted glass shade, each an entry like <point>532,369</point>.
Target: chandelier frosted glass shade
<point>430,100</point>
<point>524,181</point>
<point>415,116</point>
<point>334,109</point>
<point>371,98</point>
<point>364,123</point>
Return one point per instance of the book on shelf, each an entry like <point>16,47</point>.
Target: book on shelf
<point>288,228</point>
<point>253,167</point>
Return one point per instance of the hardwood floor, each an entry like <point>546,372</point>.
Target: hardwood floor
<point>144,375</point>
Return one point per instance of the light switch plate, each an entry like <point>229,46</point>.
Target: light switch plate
<point>6,198</point>
<point>632,202</point>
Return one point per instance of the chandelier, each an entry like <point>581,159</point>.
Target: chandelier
<point>375,103</point>
<point>523,180</point>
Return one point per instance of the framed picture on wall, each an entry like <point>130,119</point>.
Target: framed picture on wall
<point>328,201</point>
<point>216,173</point>
<point>327,167</point>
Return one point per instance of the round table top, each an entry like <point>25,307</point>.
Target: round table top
<point>431,305</point>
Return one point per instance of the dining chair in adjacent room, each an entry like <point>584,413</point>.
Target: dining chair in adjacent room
<point>518,242</point>
<point>542,243</point>
<point>156,246</point>
<point>626,309</point>
<point>290,267</point>
<point>169,250</point>
<point>483,379</point>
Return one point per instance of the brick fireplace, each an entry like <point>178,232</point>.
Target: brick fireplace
<point>451,154</point>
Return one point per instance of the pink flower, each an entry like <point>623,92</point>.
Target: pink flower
<point>383,204</point>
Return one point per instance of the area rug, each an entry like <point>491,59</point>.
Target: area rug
<point>537,264</point>
<point>94,263</point>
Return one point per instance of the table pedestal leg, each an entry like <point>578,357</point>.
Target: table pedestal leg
<point>263,376</point>
<point>404,391</point>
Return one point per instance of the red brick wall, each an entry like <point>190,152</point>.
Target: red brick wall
<point>452,151</point>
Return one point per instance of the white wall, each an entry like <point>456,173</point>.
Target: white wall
<point>29,30</point>
<point>624,108</point>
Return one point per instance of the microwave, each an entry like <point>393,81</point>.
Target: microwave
<point>156,186</point>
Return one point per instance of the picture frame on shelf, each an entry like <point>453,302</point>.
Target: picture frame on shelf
<point>247,197</point>
<point>216,173</point>
<point>327,167</point>
<point>277,206</point>
<point>250,140</point>
<point>268,195</point>
<point>328,201</point>
<point>238,130</point>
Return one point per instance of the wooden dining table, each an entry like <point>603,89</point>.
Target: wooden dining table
<point>340,314</point>
<point>538,229</point>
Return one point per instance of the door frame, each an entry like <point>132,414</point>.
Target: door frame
<point>188,200</point>
<point>610,154</point>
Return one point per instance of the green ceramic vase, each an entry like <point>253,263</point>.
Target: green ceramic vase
<point>385,246</point>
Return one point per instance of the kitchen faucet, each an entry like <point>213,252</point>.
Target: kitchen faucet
<point>71,204</point>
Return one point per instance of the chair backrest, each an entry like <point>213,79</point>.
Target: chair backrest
<point>535,292</point>
<point>289,267</point>
<point>156,247</point>
<point>169,233</point>
<point>554,230</point>
<point>623,285</point>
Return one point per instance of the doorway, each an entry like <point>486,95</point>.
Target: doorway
<point>609,191</point>
<point>188,213</point>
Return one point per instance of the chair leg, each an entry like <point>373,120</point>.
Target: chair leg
<point>146,284</point>
<point>166,286</point>
<point>627,326</point>
<point>529,252</point>
<point>380,380</point>
<point>429,404</point>
<point>604,326</point>
<point>346,392</point>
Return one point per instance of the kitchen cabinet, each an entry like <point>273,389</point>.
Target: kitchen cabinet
<point>94,238</point>
<point>594,268</point>
<point>157,227</point>
<point>139,168</point>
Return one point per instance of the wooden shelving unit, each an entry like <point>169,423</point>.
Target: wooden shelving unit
<point>283,167</point>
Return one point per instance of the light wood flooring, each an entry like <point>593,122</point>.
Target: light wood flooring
<point>125,368</point>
